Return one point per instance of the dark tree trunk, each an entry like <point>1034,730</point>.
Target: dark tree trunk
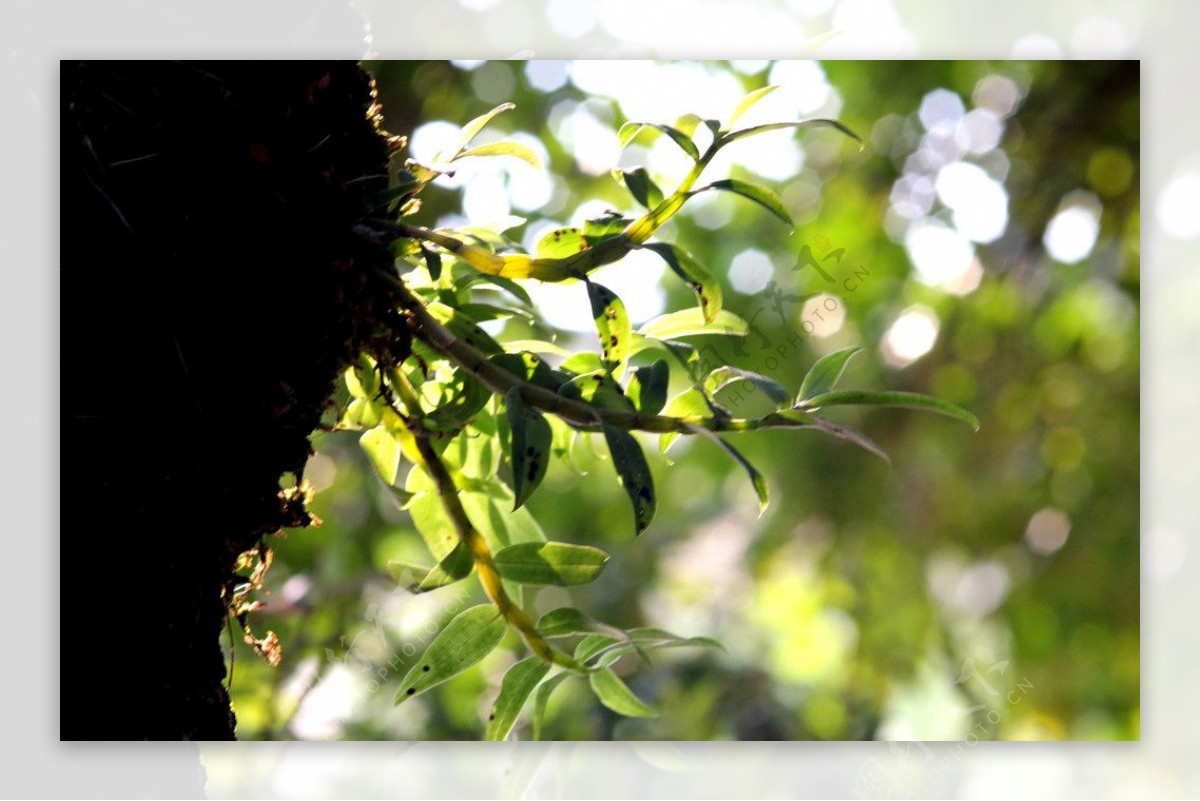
<point>211,289</point>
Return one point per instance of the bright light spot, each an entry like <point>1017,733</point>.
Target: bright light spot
<point>321,471</point>
<point>1178,204</point>
<point>635,279</point>
<point>594,144</point>
<point>941,254</point>
<point>1071,235</point>
<point>822,316</point>
<point>983,129</point>
<point>1099,37</point>
<point>803,82</point>
<point>711,210</point>
<point>941,110</point>
<point>546,76</point>
<point>679,88</point>
<point>484,199</point>
<point>912,195</point>
<point>997,94</point>
<point>326,707</point>
<point>810,8</point>
<point>750,271</point>
<point>870,28</point>
<point>974,590</point>
<point>428,140</point>
<point>493,82</point>
<point>980,204</point>
<point>982,588</point>
<point>1036,47</point>
<point>910,337</point>
<point>468,64</point>
<point>573,18</point>
<point>478,5</point>
<point>750,66</point>
<point>1047,530</point>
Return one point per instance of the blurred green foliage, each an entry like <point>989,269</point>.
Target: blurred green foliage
<point>986,579</point>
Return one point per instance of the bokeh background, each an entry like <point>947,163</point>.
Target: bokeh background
<point>984,585</point>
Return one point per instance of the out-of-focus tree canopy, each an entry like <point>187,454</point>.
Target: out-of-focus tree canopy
<point>983,248</point>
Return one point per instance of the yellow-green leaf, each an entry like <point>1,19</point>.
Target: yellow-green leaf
<point>759,194</point>
<point>707,288</point>
<point>612,324</point>
<point>692,322</point>
<point>909,400</point>
<point>468,132</point>
<point>617,696</point>
<point>561,243</point>
<point>746,102</point>
<point>468,638</point>
<point>824,375</point>
<point>514,149</point>
<point>515,688</point>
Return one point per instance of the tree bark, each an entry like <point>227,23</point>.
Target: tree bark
<point>212,288</point>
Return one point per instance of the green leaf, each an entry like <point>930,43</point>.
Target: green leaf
<point>689,403</point>
<point>515,688</point>
<point>467,639</point>
<point>362,379</point>
<point>384,451</point>
<point>542,699</point>
<point>463,328</point>
<point>561,243</point>
<point>514,149</point>
<point>530,451</point>
<point>746,102</point>
<point>723,376</point>
<point>533,369</point>
<point>615,695</point>
<point>552,563</point>
<point>840,431</point>
<point>775,126</point>
<point>535,346</point>
<point>756,478</point>
<point>824,375</point>
<point>648,387</point>
<point>567,621</point>
<point>604,227</point>
<point>691,322</point>
<point>651,639</point>
<point>612,324</point>
<point>429,518</point>
<point>629,131</point>
<point>681,139</point>
<point>759,194</point>
<point>644,190</point>
<point>582,363</point>
<point>707,289</point>
<point>909,400</point>
<point>468,132</point>
<point>593,645</point>
<point>599,389</point>
<point>433,262</point>
<point>687,124</point>
<point>634,474</point>
<point>507,284</point>
<point>455,566</point>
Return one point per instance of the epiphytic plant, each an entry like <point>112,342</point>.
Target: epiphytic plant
<point>455,403</point>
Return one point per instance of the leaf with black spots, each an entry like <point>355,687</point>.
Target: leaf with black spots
<point>634,474</point>
<point>466,640</point>
<point>530,449</point>
<point>709,296</point>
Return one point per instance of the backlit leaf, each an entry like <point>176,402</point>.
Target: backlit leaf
<point>514,149</point>
<point>542,699</point>
<point>746,102</point>
<point>725,375</point>
<point>561,243</point>
<point>691,322</point>
<point>612,324</point>
<point>384,451</point>
<point>775,126</point>
<point>468,638</point>
<point>468,132</point>
<point>644,190</point>
<point>515,688</point>
<point>690,403</point>
<point>756,478</point>
<point>707,288</point>
<point>759,194</point>
<point>909,400</point>
<point>648,387</point>
<point>824,375</point>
